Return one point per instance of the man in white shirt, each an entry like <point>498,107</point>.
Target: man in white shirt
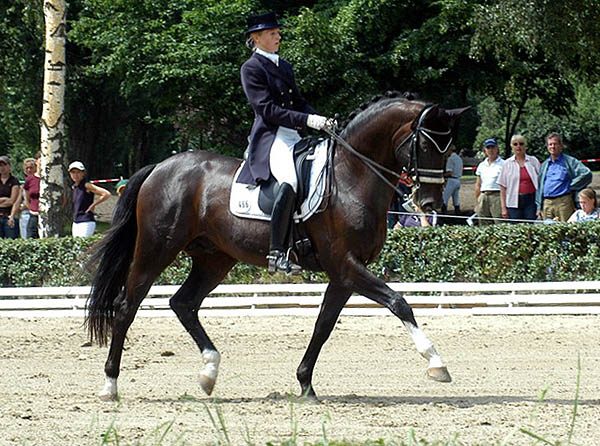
<point>487,189</point>
<point>454,168</point>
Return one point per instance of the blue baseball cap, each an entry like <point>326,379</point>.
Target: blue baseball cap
<point>490,142</point>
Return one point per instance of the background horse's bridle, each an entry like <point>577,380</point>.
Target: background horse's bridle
<point>418,175</point>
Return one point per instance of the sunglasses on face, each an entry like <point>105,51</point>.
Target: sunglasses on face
<point>519,143</point>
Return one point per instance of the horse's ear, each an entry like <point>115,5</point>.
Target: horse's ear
<point>456,112</point>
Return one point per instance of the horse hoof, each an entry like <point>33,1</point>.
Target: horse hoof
<point>439,374</point>
<point>107,396</point>
<point>310,398</point>
<point>207,384</point>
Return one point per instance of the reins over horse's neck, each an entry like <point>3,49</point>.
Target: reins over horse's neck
<point>412,139</point>
<point>372,165</point>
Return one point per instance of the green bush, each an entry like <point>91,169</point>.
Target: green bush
<point>498,253</point>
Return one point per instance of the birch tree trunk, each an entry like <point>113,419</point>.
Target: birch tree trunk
<point>52,217</point>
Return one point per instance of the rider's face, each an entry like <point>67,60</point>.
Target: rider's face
<point>267,40</point>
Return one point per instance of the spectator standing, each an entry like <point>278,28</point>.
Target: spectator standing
<point>487,190</point>
<point>518,182</point>
<point>9,193</point>
<point>84,223</point>
<point>454,168</point>
<point>29,168</point>
<point>589,207</point>
<point>32,198</point>
<point>561,176</point>
<point>19,211</point>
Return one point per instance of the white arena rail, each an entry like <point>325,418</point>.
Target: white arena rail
<point>431,299</point>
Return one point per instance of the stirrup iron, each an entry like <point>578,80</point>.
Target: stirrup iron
<point>280,261</point>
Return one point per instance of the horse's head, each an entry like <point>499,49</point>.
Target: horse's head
<point>394,134</point>
<point>423,152</point>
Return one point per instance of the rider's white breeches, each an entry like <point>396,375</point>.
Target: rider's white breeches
<point>281,159</point>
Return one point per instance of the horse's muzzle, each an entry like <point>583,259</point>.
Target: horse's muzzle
<point>431,201</point>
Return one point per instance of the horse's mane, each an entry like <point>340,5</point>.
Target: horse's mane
<point>366,110</point>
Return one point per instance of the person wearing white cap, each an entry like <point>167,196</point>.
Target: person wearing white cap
<point>84,223</point>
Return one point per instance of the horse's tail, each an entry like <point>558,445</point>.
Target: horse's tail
<point>113,255</point>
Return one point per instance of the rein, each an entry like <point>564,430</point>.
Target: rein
<point>374,166</point>
<point>420,175</point>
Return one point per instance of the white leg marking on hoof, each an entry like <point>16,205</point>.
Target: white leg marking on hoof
<point>208,376</point>
<point>424,345</point>
<point>109,391</point>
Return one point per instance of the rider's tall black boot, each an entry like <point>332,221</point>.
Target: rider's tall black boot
<point>281,219</point>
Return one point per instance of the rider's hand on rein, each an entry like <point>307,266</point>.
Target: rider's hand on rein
<point>318,122</point>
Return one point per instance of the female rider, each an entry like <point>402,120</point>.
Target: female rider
<point>279,112</point>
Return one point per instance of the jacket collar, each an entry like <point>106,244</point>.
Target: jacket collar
<point>273,57</point>
<point>280,71</point>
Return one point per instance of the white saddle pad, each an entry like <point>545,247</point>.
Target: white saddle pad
<point>243,201</point>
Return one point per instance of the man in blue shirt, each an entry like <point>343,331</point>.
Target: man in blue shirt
<point>561,176</point>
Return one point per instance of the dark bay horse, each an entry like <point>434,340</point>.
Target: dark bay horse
<point>181,204</point>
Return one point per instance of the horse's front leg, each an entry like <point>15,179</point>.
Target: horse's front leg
<point>376,289</point>
<point>334,300</point>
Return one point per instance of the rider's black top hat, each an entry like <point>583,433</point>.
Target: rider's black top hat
<point>259,22</point>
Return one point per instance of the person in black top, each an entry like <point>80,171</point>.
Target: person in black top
<point>9,192</point>
<point>84,223</point>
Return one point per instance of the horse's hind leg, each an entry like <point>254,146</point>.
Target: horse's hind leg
<point>207,272</point>
<point>334,300</point>
<point>142,275</point>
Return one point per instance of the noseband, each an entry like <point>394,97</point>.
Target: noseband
<point>418,175</point>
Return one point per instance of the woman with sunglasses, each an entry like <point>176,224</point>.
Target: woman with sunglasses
<point>518,182</point>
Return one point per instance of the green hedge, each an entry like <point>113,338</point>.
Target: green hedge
<point>495,253</point>
<point>499,253</point>
<point>59,261</point>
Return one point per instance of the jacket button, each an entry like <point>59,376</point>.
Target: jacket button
<point>290,90</point>
<point>291,102</point>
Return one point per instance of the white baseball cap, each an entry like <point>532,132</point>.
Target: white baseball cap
<point>77,165</point>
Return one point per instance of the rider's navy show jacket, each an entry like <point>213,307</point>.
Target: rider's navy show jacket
<point>276,101</point>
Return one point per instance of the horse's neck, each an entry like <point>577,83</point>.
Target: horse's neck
<point>352,175</point>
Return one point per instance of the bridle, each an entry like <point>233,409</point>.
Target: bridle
<point>417,174</point>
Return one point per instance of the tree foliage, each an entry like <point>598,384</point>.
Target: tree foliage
<point>150,77</point>
<point>21,65</point>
